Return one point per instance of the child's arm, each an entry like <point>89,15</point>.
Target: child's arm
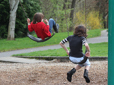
<point>29,25</point>
<point>28,20</point>
<point>88,50</point>
<point>84,42</point>
<point>47,23</point>
<point>64,47</point>
<point>46,29</point>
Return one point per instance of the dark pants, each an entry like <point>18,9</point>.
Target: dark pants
<point>51,24</point>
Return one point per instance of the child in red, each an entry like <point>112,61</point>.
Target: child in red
<point>37,25</point>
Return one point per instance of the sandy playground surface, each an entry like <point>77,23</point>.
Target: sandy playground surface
<point>50,74</point>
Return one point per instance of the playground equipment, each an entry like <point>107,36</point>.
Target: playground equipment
<point>111,44</point>
<point>32,37</point>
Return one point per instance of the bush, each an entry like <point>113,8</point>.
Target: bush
<point>4,18</point>
<point>93,20</point>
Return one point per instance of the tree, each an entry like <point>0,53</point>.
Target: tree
<point>17,22</point>
<point>30,6</point>
<point>12,19</point>
<point>102,6</point>
<point>56,9</point>
<point>72,14</point>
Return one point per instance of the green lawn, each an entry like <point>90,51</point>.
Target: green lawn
<point>97,50</point>
<point>23,43</point>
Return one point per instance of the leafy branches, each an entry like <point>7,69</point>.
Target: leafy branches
<point>30,6</point>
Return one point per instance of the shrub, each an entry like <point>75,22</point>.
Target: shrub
<point>4,18</point>
<point>93,20</point>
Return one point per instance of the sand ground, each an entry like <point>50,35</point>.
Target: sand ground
<point>53,73</point>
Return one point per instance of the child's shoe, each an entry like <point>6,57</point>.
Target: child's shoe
<point>70,73</point>
<point>56,28</point>
<point>86,76</point>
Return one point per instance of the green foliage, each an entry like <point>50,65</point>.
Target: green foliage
<point>4,18</point>
<point>95,51</point>
<point>93,20</point>
<point>56,10</point>
<point>30,6</point>
<point>23,43</point>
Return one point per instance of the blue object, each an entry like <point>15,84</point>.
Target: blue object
<point>51,24</point>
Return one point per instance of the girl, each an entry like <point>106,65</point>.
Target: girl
<point>75,55</point>
<point>40,28</point>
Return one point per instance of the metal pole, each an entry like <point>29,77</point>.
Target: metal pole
<point>111,44</point>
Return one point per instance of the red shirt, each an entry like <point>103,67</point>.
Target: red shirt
<point>41,29</point>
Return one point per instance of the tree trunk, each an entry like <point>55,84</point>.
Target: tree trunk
<point>107,22</point>
<point>12,19</point>
<point>72,13</point>
<point>64,8</point>
<point>104,20</point>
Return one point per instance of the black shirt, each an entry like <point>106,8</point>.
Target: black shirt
<point>75,44</point>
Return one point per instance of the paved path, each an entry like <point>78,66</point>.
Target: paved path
<point>20,60</point>
<point>5,56</point>
<point>102,38</point>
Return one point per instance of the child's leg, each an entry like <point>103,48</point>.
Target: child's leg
<point>78,67</point>
<point>86,74</point>
<point>52,24</point>
<point>71,72</point>
<point>87,67</point>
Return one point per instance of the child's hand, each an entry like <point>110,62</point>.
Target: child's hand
<point>67,52</point>
<point>87,54</point>
<point>28,20</point>
<point>46,21</point>
<point>42,20</point>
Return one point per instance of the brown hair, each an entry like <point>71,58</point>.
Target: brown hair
<point>80,31</point>
<point>37,17</point>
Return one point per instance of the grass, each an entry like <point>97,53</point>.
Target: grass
<point>24,43</point>
<point>97,50</point>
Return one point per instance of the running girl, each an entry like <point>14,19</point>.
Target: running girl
<point>75,55</point>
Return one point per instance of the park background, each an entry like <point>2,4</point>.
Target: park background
<point>68,14</point>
